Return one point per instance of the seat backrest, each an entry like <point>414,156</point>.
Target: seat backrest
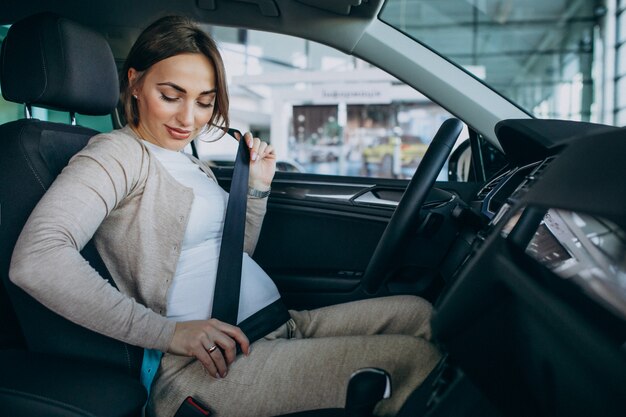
<point>52,62</point>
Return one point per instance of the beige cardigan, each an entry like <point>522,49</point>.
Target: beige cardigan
<point>116,191</point>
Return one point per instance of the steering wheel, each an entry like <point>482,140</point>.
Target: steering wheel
<point>406,217</point>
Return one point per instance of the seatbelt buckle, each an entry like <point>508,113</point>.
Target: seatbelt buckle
<point>192,408</point>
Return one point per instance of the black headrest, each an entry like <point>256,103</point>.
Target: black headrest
<point>52,62</point>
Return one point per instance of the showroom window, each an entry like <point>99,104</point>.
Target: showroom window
<point>549,57</point>
<point>325,112</point>
<point>620,65</point>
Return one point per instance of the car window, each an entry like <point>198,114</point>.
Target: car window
<point>13,111</point>
<point>325,112</point>
<point>555,59</point>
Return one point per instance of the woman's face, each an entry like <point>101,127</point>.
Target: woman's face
<point>175,99</point>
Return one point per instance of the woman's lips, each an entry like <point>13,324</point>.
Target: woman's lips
<point>178,133</point>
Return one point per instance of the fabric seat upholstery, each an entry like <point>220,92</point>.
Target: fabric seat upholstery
<point>38,384</point>
<point>51,62</point>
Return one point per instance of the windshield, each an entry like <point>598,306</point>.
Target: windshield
<point>548,57</point>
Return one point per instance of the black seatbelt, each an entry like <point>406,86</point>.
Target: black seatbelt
<point>228,281</point>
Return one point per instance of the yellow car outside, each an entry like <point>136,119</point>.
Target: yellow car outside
<point>411,151</point>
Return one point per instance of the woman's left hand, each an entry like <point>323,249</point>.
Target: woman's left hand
<point>262,163</point>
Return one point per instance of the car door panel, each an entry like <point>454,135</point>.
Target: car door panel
<point>320,231</point>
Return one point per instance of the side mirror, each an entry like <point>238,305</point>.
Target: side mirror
<point>460,166</point>
<point>459,163</point>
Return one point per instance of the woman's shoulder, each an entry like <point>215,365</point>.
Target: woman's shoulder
<point>116,146</point>
<point>118,151</point>
<point>121,141</point>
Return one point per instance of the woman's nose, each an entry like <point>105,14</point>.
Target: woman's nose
<point>185,114</point>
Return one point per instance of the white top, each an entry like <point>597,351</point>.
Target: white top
<point>190,296</point>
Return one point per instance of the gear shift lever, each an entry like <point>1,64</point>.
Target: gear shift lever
<point>366,388</point>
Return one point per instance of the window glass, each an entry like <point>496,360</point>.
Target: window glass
<point>621,61</point>
<point>621,27</point>
<point>14,111</point>
<point>10,111</point>
<point>621,117</point>
<point>541,55</point>
<point>621,96</point>
<point>324,112</point>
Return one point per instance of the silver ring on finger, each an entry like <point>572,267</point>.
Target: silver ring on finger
<point>212,349</point>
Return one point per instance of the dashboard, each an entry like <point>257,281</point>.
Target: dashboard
<point>536,316</point>
<point>588,250</point>
<point>506,189</point>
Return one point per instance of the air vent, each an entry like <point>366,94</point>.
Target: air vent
<point>538,172</point>
<point>491,185</point>
<point>532,178</point>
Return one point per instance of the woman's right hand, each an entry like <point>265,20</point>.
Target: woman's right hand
<point>196,338</point>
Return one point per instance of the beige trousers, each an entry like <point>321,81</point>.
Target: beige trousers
<point>306,363</point>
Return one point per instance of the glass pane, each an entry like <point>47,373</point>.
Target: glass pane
<point>324,112</point>
<point>620,118</point>
<point>621,27</point>
<point>537,53</point>
<point>621,60</point>
<point>99,123</point>
<point>621,93</point>
<point>8,111</point>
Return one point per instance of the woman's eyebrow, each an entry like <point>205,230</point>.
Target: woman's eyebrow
<point>182,90</point>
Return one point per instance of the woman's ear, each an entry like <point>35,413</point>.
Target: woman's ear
<point>133,75</point>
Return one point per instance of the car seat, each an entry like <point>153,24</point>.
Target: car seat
<point>55,63</point>
<point>51,366</point>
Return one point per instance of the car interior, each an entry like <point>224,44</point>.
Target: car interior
<point>525,264</point>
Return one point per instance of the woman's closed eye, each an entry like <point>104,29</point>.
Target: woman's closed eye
<point>205,105</point>
<point>169,99</point>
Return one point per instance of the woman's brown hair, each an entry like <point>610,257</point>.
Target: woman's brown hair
<point>167,37</point>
